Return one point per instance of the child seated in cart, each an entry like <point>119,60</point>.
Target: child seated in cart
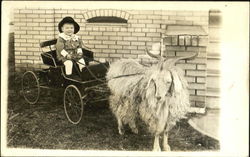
<point>69,45</point>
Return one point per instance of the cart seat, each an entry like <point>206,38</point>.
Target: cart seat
<point>50,58</point>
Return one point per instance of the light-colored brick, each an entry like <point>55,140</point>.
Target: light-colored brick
<point>184,13</point>
<point>122,51</point>
<point>20,24</point>
<point>145,21</point>
<point>26,45</point>
<point>110,33</point>
<point>201,73</point>
<point>201,66</point>
<point>46,24</point>
<point>177,18</point>
<point>47,11</point>
<point>144,39</point>
<point>156,17</point>
<point>130,56</point>
<point>138,34</point>
<point>153,26</point>
<point>46,32</point>
<point>32,41</point>
<point>41,37</point>
<point>197,98</point>
<point>20,57</point>
<point>101,54</point>
<point>88,37</point>
<point>95,33</point>
<point>184,22</point>
<point>157,22</point>
<point>138,25</point>
<point>109,42</point>
<point>123,43</point>
<point>115,38</point>
<point>198,60</point>
<point>187,66</point>
<point>39,28</point>
<point>26,36</point>
<point>115,55</point>
<point>130,47</point>
<point>130,38</point>
<point>32,15</point>
<point>25,11</point>
<point>20,49</point>
<point>137,43</point>
<point>124,33</point>
<point>20,32</point>
<point>200,79</point>
<point>195,48</point>
<point>201,92</point>
<point>197,86</point>
<point>115,46</point>
<point>33,49</point>
<point>39,11</point>
<point>191,91</point>
<point>95,42</point>
<point>137,52</point>
<point>175,48</point>
<point>33,24</point>
<point>153,34</point>
<point>20,40</point>
<point>26,53</point>
<point>101,46</point>
<point>140,16</point>
<point>47,16</point>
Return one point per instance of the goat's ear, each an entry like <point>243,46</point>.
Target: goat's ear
<point>150,92</point>
<point>171,89</point>
<point>176,84</point>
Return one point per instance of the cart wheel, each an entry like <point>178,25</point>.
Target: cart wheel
<point>73,104</point>
<point>30,87</point>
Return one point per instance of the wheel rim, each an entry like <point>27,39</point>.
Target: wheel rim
<point>73,104</point>
<point>30,87</point>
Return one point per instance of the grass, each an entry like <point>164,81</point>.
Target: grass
<point>45,126</point>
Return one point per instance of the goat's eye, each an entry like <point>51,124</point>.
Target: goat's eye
<point>168,82</point>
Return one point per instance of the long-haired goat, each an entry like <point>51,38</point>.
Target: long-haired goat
<point>158,95</point>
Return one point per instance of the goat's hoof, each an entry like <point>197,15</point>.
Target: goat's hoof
<point>167,148</point>
<point>135,131</point>
<point>121,131</point>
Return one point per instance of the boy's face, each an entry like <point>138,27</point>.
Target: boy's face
<point>68,28</point>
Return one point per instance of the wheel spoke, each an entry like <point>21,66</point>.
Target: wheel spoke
<point>30,87</point>
<point>73,104</point>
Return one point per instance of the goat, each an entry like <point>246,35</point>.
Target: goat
<point>158,95</point>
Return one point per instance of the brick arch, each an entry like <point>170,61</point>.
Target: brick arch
<point>106,12</point>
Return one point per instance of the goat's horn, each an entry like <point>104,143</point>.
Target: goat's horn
<point>153,55</point>
<point>186,57</point>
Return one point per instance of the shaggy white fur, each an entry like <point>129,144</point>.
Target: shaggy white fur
<point>158,95</point>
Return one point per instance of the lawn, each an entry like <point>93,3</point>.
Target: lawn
<point>45,126</point>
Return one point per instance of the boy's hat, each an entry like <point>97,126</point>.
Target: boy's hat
<point>68,19</point>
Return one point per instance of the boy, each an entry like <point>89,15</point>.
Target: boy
<point>69,45</point>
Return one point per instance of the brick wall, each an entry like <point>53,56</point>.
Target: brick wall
<point>112,41</point>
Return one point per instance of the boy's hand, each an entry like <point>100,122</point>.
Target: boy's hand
<point>79,55</point>
<point>69,56</point>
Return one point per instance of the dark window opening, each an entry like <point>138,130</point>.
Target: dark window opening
<point>107,19</point>
<point>214,18</point>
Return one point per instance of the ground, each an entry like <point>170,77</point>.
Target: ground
<point>45,126</point>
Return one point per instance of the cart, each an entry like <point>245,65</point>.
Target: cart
<point>86,86</point>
